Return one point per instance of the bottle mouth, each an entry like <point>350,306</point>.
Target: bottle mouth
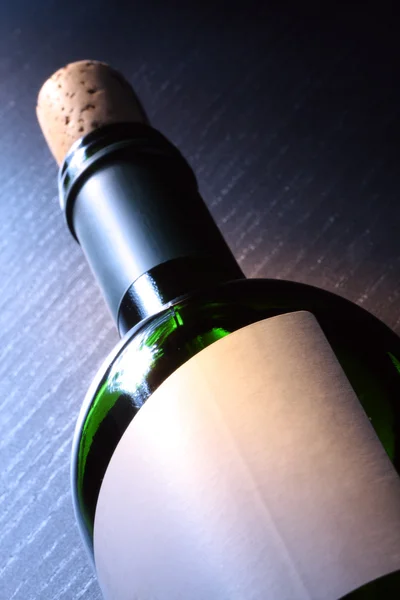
<point>97,146</point>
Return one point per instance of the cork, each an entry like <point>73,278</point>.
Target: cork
<point>80,98</point>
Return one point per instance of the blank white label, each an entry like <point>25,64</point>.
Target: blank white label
<point>252,473</point>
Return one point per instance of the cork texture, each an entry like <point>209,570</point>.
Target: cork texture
<point>80,98</point>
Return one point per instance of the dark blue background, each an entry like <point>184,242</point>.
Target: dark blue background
<point>290,117</point>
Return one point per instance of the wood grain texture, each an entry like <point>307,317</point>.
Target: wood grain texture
<point>291,120</point>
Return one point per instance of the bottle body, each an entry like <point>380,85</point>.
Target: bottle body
<point>210,516</point>
<point>368,353</point>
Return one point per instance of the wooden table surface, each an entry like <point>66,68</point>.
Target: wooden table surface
<point>291,120</point>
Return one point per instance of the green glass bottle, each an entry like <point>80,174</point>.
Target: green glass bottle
<point>243,439</point>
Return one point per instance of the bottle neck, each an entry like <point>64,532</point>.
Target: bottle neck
<point>132,202</point>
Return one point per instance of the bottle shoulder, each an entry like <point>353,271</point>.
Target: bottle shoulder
<point>252,298</point>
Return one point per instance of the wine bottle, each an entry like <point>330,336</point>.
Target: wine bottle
<point>242,441</point>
